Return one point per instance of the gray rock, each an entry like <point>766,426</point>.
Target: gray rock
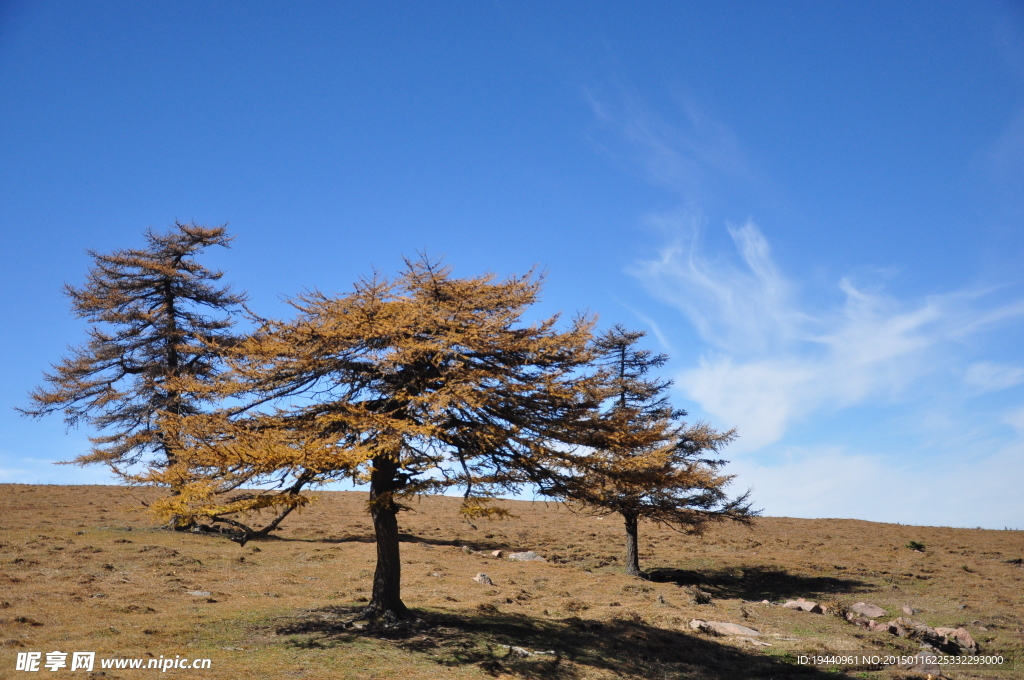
<point>528,556</point>
<point>522,652</point>
<point>964,640</point>
<point>907,627</point>
<point>804,605</point>
<point>858,620</point>
<point>198,593</point>
<point>723,628</point>
<point>872,611</point>
<point>484,579</point>
<point>959,637</point>
<point>910,611</point>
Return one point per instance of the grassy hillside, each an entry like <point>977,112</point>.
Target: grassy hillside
<point>84,569</point>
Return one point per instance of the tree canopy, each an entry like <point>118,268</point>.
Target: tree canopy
<point>414,384</point>
<point>644,461</point>
<point>157,317</point>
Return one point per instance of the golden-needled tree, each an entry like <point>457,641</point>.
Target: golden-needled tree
<point>645,462</point>
<point>414,384</point>
<point>157,320</point>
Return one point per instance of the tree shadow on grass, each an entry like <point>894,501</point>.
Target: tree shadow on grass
<point>535,648</point>
<point>476,545</point>
<point>759,583</point>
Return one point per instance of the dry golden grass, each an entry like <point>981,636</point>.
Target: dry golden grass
<point>84,569</point>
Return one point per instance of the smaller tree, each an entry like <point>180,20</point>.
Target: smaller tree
<point>157,320</point>
<point>645,462</point>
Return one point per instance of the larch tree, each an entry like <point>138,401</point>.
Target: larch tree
<point>645,462</point>
<point>413,385</point>
<point>158,318</point>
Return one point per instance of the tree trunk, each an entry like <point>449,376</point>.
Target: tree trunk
<point>632,553</point>
<point>386,601</point>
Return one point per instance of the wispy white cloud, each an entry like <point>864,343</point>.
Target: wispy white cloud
<point>778,360</point>
<point>989,376</point>
<point>1015,418</point>
<point>773,360</point>
<point>653,325</point>
<point>682,155</point>
<point>744,309</point>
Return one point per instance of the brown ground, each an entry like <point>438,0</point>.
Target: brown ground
<point>84,569</point>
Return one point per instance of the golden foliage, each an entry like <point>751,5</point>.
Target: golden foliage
<point>415,384</point>
<point>150,329</point>
<point>644,460</point>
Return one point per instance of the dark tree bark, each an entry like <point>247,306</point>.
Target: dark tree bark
<point>386,601</point>
<point>293,491</point>
<point>632,553</point>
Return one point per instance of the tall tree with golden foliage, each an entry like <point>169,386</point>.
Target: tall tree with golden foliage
<point>414,384</point>
<point>157,317</point>
<point>645,462</point>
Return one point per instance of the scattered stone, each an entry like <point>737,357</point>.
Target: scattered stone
<point>198,593</point>
<point>964,641</point>
<point>948,640</point>
<point>910,611</point>
<point>484,579</point>
<point>496,554</point>
<point>723,628</point>
<point>896,629</point>
<point>872,611</point>
<point>877,626</point>
<point>960,638</point>
<point>522,652</point>
<point>528,556</point>
<point>804,605</point>
<point>911,628</point>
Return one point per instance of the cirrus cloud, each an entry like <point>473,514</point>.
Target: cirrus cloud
<point>771,361</point>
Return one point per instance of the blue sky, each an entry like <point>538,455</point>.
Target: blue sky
<point>817,209</point>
